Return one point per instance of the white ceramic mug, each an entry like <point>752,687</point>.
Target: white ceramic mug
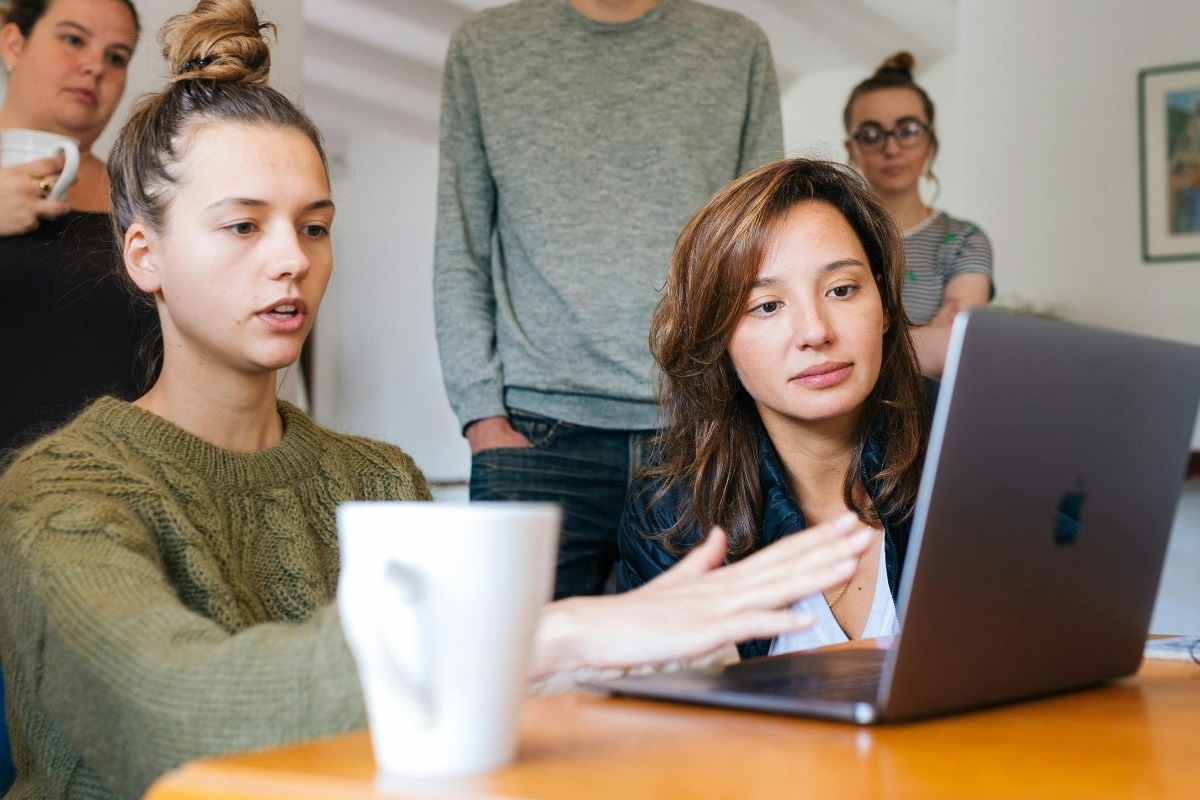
<point>18,145</point>
<point>439,603</point>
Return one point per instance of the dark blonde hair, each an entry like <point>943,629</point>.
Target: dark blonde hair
<point>710,445</point>
<point>220,64</point>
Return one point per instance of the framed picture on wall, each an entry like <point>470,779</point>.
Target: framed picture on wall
<point>1169,114</point>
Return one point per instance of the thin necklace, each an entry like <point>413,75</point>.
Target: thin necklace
<point>833,602</point>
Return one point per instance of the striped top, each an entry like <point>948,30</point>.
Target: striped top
<point>937,250</point>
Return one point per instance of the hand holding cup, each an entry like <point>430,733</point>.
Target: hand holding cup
<point>24,195</point>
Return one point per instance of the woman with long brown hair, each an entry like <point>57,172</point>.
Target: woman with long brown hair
<point>790,386</point>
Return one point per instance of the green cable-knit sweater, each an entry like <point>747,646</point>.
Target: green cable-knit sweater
<point>162,598</point>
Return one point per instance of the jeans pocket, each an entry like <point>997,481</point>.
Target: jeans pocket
<point>539,430</point>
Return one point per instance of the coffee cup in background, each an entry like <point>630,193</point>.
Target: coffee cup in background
<point>19,145</point>
<point>439,603</point>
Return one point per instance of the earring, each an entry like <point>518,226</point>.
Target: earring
<point>937,184</point>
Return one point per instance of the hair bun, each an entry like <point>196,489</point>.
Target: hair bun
<point>900,64</point>
<point>219,40</point>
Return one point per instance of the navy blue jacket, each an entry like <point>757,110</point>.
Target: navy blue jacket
<point>643,558</point>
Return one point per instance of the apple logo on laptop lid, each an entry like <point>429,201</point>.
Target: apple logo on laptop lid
<point>1070,514</point>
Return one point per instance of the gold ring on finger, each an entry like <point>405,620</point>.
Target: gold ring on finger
<point>44,186</point>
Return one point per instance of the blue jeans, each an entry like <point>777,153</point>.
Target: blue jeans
<point>585,470</point>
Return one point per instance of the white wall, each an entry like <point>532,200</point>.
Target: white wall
<point>1049,131</point>
<point>1049,120</point>
<point>377,371</point>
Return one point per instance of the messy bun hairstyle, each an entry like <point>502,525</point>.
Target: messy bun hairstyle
<point>896,72</point>
<point>220,64</point>
<point>221,41</point>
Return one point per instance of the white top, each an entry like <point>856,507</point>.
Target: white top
<point>882,620</point>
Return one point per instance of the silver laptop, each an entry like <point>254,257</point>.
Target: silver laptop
<point>1054,467</point>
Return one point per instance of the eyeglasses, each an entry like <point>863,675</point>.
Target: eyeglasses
<point>909,133</point>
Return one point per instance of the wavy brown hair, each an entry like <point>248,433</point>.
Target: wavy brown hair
<point>710,444</point>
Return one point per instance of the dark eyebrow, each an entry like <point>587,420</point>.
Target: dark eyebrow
<point>900,121</point>
<point>69,24</point>
<point>832,266</point>
<point>316,205</point>
<point>843,263</point>
<point>76,26</point>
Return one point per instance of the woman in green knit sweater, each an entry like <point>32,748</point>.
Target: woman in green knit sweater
<point>168,566</point>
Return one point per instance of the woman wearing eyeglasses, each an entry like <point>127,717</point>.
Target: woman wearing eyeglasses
<point>892,141</point>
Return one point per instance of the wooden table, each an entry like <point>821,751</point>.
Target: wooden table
<point>1139,738</point>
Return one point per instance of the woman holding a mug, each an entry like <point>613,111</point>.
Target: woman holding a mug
<point>168,566</point>
<point>67,330</point>
<point>66,62</point>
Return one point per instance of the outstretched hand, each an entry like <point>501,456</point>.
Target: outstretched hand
<point>22,201</point>
<point>699,606</point>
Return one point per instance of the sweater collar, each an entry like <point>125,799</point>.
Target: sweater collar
<point>163,442</point>
<point>594,26</point>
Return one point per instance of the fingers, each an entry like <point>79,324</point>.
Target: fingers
<point>49,209</point>
<point>40,167</point>
<point>704,557</point>
<point>843,537</point>
<point>37,179</point>
<point>778,588</point>
<point>493,432</point>
<point>798,565</point>
<point>742,626</point>
<point>769,624</point>
<point>19,218</point>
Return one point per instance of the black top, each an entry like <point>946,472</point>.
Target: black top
<point>69,331</point>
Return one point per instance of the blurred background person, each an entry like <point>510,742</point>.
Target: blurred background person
<point>68,332</point>
<point>892,141</point>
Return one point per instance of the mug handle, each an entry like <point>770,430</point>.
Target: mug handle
<point>67,176</point>
<point>410,626</point>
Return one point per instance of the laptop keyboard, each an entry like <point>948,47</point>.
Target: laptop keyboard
<point>851,675</point>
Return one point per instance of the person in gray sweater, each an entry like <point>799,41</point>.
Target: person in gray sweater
<point>577,137</point>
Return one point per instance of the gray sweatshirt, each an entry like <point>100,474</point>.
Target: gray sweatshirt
<point>572,154</point>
